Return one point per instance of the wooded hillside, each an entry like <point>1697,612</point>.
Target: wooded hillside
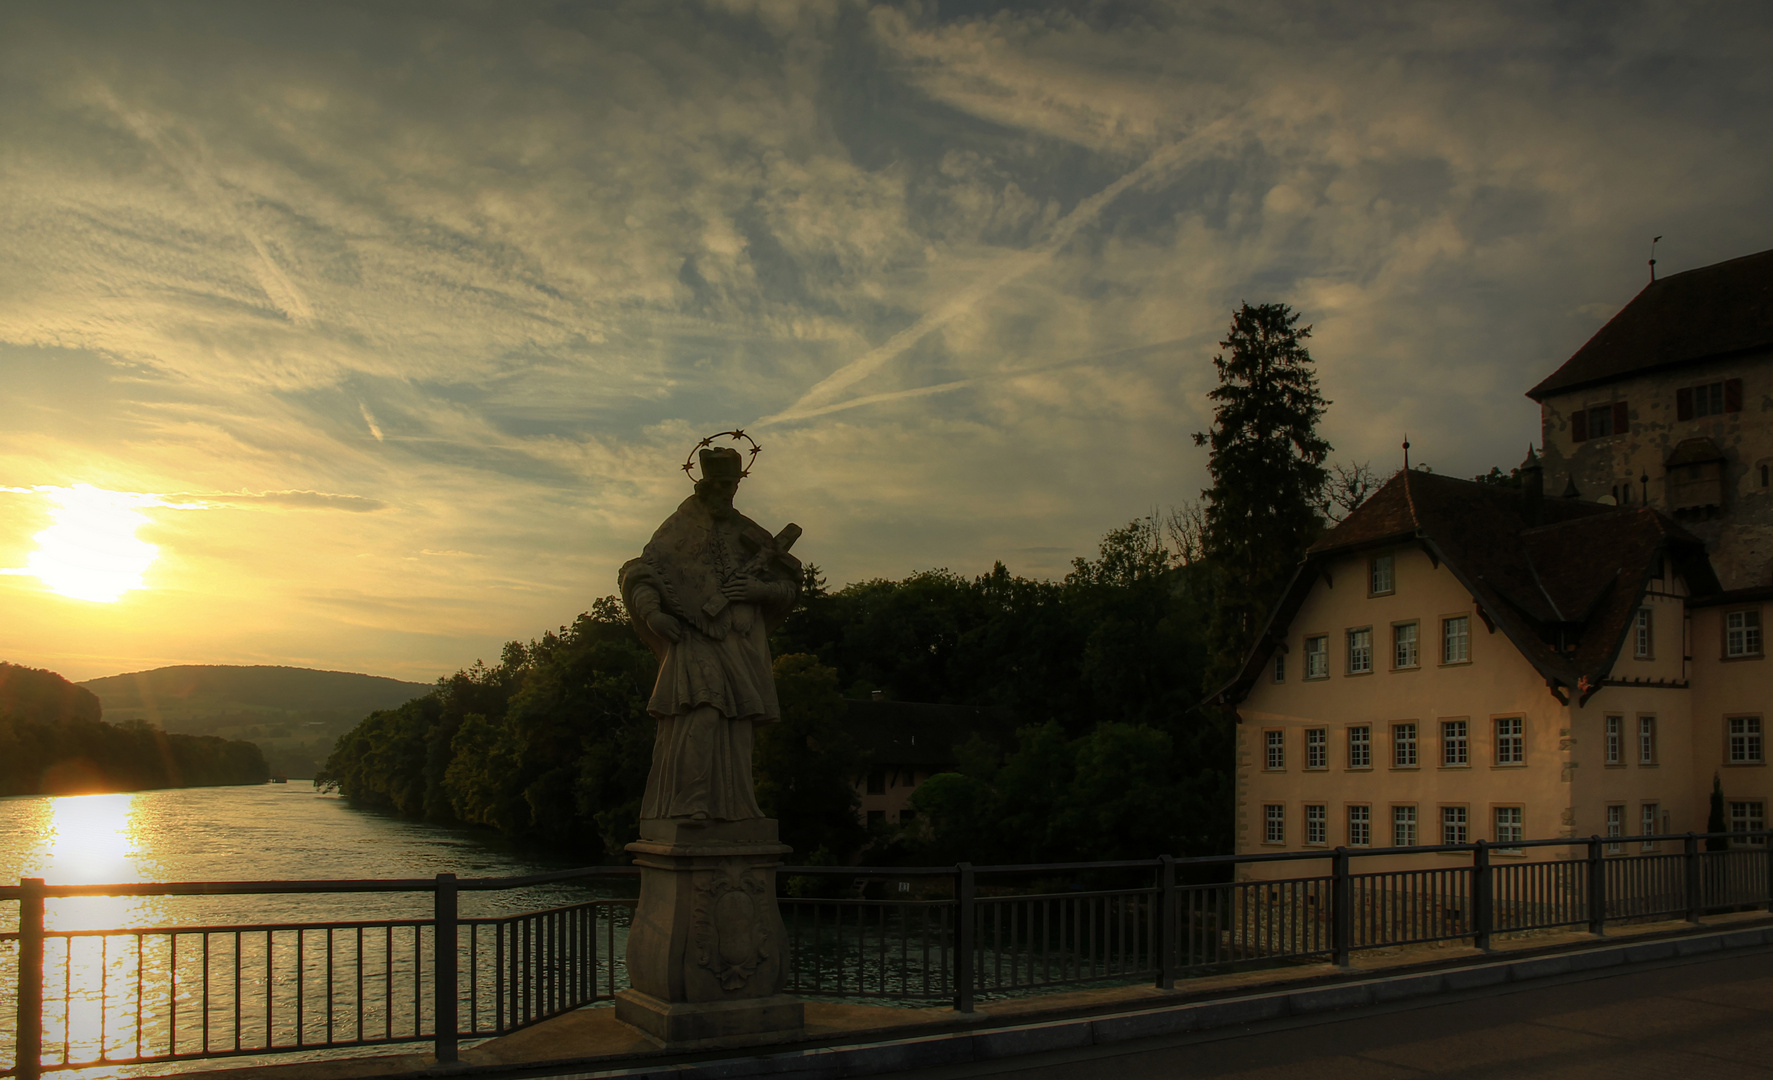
<point>54,741</point>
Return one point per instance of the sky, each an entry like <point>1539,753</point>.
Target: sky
<point>377,334</point>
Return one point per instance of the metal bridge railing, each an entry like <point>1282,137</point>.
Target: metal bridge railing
<point>174,993</point>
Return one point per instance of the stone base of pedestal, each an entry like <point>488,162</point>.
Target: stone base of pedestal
<point>706,951</point>
<point>689,1025</point>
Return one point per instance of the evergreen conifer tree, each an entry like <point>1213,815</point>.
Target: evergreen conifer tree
<point>1267,468</point>
<point>1714,818</point>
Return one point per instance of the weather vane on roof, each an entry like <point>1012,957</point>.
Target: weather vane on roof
<point>1653,242</point>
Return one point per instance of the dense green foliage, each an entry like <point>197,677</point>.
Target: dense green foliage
<point>1102,669</point>
<point>1267,467</point>
<point>552,746</point>
<point>53,741</point>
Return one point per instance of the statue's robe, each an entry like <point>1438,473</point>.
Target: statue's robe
<point>715,683</point>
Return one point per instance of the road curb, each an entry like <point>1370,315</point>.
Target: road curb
<point>962,1047</point>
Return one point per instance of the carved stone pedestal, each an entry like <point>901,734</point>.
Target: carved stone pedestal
<point>706,953</point>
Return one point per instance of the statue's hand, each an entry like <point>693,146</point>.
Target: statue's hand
<point>665,626</point>
<point>746,589</point>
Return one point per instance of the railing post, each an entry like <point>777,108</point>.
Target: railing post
<point>1597,887</point>
<point>963,937</point>
<point>29,1042</point>
<point>1341,909</point>
<point>1483,907</point>
<point>1695,891</point>
<point>1166,923</point>
<point>443,966</point>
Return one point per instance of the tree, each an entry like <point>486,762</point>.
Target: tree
<point>1714,821</point>
<point>1267,468</point>
<point>804,764</point>
<point>1348,487</point>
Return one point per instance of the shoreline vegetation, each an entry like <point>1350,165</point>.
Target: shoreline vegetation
<point>1108,758</point>
<point>54,741</point>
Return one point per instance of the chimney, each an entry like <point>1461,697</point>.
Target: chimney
<point>1532,489</point>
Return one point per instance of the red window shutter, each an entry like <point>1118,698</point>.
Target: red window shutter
<point>1684,403</point>
<point>1621,419</point>
<point>1579,426</point>
<point>1732,395</point>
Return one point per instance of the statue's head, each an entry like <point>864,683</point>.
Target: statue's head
<point>722,469</point>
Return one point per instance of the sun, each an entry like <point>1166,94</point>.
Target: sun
<point>90,550</point>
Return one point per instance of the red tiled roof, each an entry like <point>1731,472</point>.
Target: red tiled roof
<point>1715,310</point>
<point>1562,588</point>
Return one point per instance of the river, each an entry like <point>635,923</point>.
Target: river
<point>259,833</point>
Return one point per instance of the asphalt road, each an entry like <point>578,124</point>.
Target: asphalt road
<point>1710,1019</point>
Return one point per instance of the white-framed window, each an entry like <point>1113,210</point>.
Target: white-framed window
<point>1360,650</point>
<point>1275,743</point>
<point>1614,741</point>
<point>1360,747</point>
<point>1511,742</point>
<point>1615,827</point>
<point>1742,633</point>
<point>1745,740</point>
<point>1403,826</point>
<point>1315,829</point>
<point>1453,825</point>
<point>1455,743</point>
<point>1647,824</point>
<point>1274,824</point>
<point>1456,639</point>
<point>1641,634</point>
<point>1360,826</point>
<point>1748,816</point>
<point>1403,645</point>
<point>1317,657</point>
<point>1403,746</point>
<point>1510,829</point>
<point>1379,575</point>
<point>1646,740</point>
<point>1317,752</point>
<point>1280,666</point>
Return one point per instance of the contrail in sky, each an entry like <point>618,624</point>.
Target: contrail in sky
<point>992,377</point>
<point>818,400</point>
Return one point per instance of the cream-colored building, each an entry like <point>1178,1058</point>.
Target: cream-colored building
<point>1460,661</point>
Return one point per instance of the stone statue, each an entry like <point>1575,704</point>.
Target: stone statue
<point>706,951</point>
<point>704,594</point>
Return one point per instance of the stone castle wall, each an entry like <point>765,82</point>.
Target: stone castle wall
<point>1738,530</point>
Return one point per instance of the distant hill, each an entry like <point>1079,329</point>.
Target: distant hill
<point>53,740</point>
<point>43,697</point>
<point>294,714</point>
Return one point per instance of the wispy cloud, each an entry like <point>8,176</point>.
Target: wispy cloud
<point>416,281</point>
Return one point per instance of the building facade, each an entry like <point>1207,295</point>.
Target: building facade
<point>1670,405</point>
<point>1579,657</point>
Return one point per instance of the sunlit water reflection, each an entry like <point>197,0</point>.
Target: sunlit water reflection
<point>261,833</point>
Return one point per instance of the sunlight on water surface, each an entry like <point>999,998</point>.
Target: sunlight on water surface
<point>114,995</point>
